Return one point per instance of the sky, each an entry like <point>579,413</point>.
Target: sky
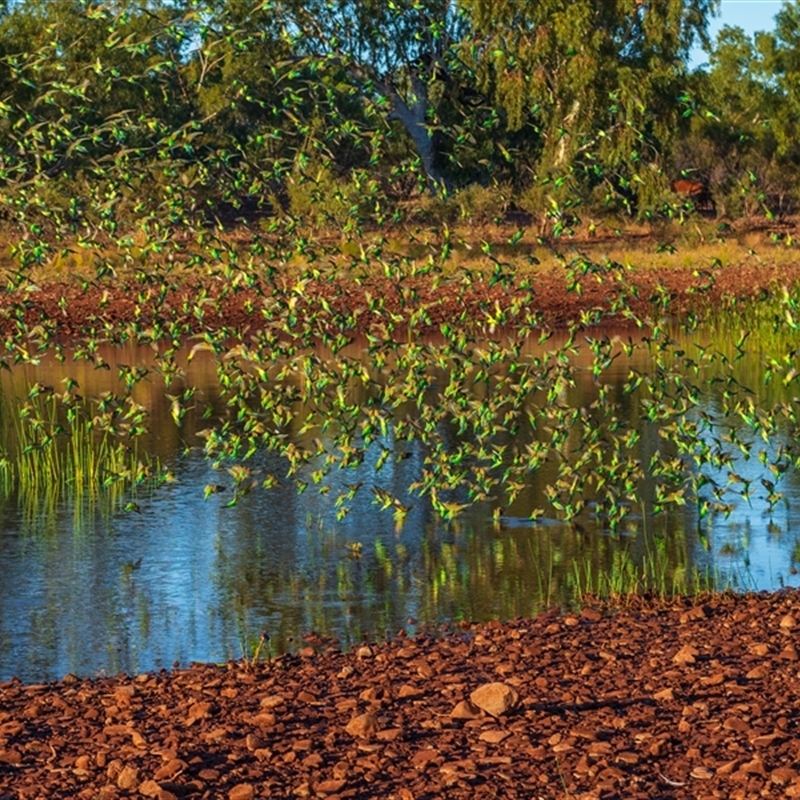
<point>752,15</point>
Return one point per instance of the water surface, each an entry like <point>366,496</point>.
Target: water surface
<point>89,587</point>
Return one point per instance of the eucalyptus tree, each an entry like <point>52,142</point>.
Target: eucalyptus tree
<point>95,102</point>
<point>595,84</point>
<point>728,137</point>
<point>398,59</point>
<point>776,70</point>
<point>744,118</point>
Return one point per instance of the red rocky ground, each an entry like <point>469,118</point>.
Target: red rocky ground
<point>69,310</point>
<point>685,700</point>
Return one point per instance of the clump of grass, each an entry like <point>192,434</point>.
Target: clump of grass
<point>54,448</point>
<point>652,576</point>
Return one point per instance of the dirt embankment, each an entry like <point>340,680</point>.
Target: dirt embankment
<point>66,310</point>
<point>678,701</point>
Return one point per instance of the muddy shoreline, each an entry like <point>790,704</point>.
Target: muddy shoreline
<point>685,699</point>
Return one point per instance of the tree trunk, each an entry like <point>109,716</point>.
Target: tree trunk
<point>413,117</point>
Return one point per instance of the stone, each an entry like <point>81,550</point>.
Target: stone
<point>686,655</point>
<point>242,791</point>
<point>464,709</point>
<point>364,726</point>
<point>128,778</point>
<point>496,699</point>
<point>170,770</point>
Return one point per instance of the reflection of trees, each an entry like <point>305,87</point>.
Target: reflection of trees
<point>279,559</point>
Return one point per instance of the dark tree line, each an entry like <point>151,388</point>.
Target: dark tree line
<point>143,112</point>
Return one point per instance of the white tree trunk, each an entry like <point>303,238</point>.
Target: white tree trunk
<point>412,114</point>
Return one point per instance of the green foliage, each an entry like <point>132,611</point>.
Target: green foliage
<point>321,200</point>
<point>187,113</point>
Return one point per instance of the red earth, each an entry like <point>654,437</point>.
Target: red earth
<point>651,700</point>
<point>67,310</point>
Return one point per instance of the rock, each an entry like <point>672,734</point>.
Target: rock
<point>495,698</point>
<point>364,726</point>
<point>198,711</point>
<point>242,791</point>
<point>494,736</point>
<point>788,622</point>
<point>464,709</point>
<point>128,778</point>
<point>686,655</point>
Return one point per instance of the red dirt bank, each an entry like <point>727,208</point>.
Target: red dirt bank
<point>682,701</point>
<point>68,311</point>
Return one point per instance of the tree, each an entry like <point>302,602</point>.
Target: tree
<point>398,57</point>
<point>746,118</point>
<point>596,82</point>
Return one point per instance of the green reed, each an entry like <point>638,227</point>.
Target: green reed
<point>652,574</point>
<point>59,448</point>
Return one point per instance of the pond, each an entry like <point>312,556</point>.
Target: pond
<point>435,483</point>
